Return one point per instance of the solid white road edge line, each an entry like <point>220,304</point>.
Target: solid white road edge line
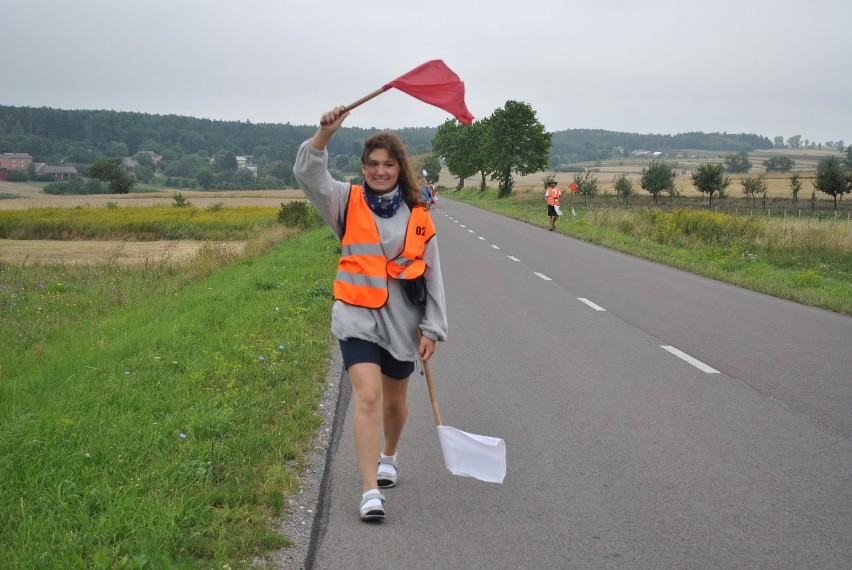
<point>592,305</point>
<point>695,362</point>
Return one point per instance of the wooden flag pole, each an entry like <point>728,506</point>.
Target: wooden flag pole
<point>360,101</point>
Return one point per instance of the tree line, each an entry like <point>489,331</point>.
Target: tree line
<point>195,150</point>
<point>833,177</point>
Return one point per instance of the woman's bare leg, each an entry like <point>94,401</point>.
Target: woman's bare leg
<point>395,404</point>
<point>366,381</point>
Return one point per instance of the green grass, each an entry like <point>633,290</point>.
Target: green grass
<point>808,261</point>
<point>157,417</point>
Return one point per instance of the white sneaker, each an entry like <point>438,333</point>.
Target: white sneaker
<point>387,472</point>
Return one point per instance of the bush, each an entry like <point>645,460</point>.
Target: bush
<point>180,201</point>
<point>77,186</point>
<point>299,215</point>
<point>711,228</point>
<point>18,176</point>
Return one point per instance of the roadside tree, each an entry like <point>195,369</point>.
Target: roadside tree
<point>754,185</point>
<point>461,148</point>
<point>658,177</point>
<point>587,186</point>
<point>738,162</point>
<point>623,188</point>
<point>795,186</point>
<point>432,166</point>
<point>710,178</point>
<point>832,178</point>
<point>515,142</point>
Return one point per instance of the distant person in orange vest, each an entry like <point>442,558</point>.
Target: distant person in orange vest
<point>553,194</point>
<point>388,289</point>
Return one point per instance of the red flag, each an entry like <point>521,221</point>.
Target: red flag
<point>436,84</point>
<point>573,187</point>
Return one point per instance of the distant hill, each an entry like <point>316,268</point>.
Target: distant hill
<point>75,136</point>
<point>581,145</point>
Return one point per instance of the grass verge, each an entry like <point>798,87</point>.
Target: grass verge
<point>157,417</point>
<point>808,261</point>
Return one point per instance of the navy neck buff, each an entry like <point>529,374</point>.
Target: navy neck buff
<point>383,205</point>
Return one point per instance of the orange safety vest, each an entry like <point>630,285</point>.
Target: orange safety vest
<point>363,271</point>
<point>553,195</point>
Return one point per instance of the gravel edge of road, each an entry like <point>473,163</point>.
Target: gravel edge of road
<point>302,521</point>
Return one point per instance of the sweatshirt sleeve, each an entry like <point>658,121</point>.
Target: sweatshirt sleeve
<point>434,322</point>
<point>327,195</point>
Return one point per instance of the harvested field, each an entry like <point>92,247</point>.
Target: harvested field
<point>121,252</point>
<point>55,252</point>
<point>778,183</point>
<point>34,197</point>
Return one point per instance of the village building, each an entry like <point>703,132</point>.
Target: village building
<point>59,173</point>
<point>15,160</point>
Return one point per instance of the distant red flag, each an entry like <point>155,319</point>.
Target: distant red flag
<point>573,187</point>
<point>436,84</point>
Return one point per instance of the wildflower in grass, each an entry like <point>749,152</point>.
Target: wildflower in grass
<point>277,310</point>
<point>127,372</point>
<point>182,435</point>
<point>261,358</point>
<point>280,347</point>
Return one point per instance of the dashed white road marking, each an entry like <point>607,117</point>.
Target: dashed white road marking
<point>694,361</point>
<point>679,353</point>
<point>592,305</point>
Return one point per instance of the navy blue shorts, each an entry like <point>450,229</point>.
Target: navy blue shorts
<point>356,351</point>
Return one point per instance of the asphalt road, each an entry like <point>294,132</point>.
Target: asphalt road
<point>652,418</point>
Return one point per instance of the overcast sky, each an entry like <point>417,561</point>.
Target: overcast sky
<point>769,67</point>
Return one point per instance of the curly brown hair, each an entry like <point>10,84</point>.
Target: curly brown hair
<point>390,141</point>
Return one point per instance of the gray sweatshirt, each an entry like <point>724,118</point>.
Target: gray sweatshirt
<point>394,326</point>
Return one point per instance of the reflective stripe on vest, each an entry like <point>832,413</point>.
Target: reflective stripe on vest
<point>363,270</point>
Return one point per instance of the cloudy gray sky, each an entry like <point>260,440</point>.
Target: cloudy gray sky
<point>770,67</point>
